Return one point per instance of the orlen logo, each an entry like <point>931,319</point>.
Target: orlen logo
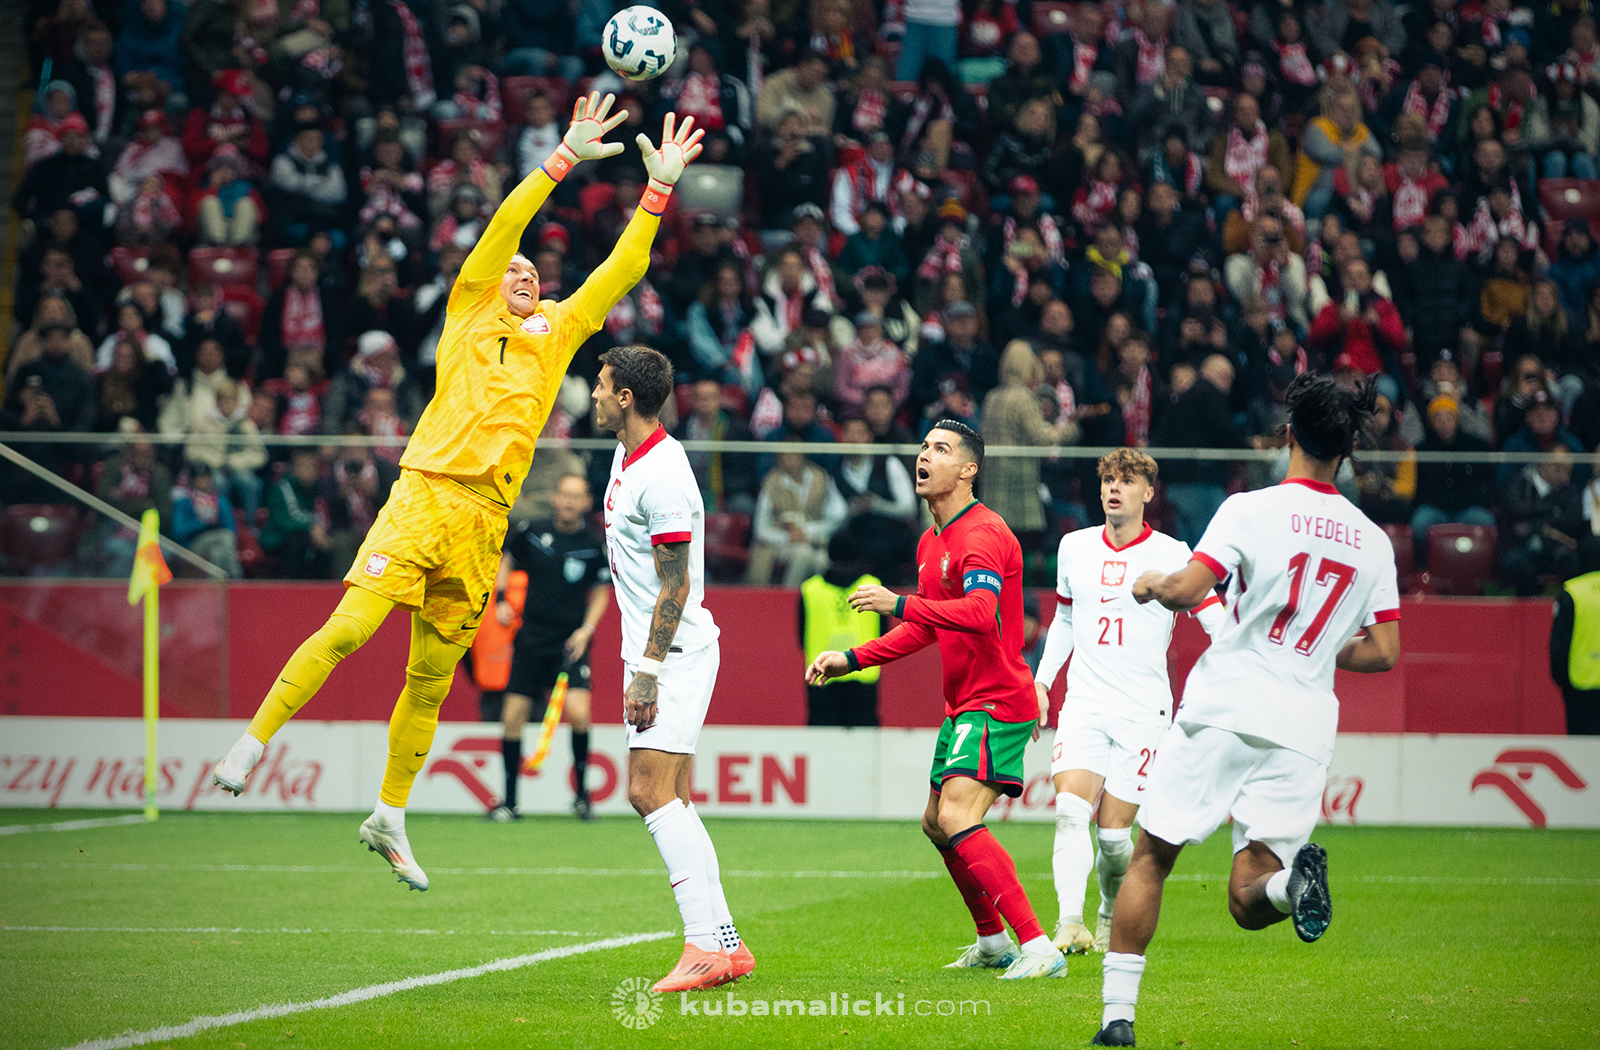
<point>471,754</point>
<point>1514,765</point>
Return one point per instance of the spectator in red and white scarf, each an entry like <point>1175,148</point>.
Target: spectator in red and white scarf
<point>811,239</point>
<point>301,318</point>
<point>1142,55</point>
<point>1236,156</point>
<point>153,151</point>
<point>1412,183</point>
<point>871,360</point>
<point>392,187</point>
<point>951,253</point>
<point>789,288</point>
<point>1094,202</point>
<point>1427,95</point>
<point>228,122</point>
<point>1271,273</point>
<point>150,219</point>
<point>89,71</point>
<point>57,105</point>
<point>865,180</point>
<point>463,167</point>
<point>865,104</point>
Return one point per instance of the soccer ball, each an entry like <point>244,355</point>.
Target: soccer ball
<point>639,43</point>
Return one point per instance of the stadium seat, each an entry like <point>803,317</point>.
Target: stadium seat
<point>727,546</point>
<point>1051,18</point>
<point>1461,557</point>
<point>223,267</point>
<point>1570,198</point>
<point>1405,550</point>
<point>38,538</point>
<point>278,260</point>
<point>714,188</point>
<point>490,134</point>
<point>515,92</point>
<point>130,263</point>
<point>246,307</point>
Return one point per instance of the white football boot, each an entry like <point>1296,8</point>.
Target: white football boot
<point>974,957</point>
<point>1029,964</point>
<point>231,773</point>
<point>389,840</point>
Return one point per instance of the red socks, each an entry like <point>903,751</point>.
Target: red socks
<point>978,902</point>
<point>991,867</point>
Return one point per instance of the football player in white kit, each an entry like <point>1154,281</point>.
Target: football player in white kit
<point>1311,585</point>
<point>655,537</point>
<point>1119,700</point>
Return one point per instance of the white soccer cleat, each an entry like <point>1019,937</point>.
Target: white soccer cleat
<point>231,773</point>
<point>391,844</point>
<point>1102,935</point>
<point>974,957</point>
<point>1073,938</point>
<point>1029,965</point>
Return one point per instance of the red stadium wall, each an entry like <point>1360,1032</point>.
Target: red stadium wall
<point>1470,665</point>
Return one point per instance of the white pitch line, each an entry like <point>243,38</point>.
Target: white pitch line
<point>1421,880</point>
<point>74,825</point>
<point>17,928</point>
<point>359,995</point>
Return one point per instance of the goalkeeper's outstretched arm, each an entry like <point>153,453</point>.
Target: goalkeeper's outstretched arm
<point>583,141</point>
<point>629,260</point>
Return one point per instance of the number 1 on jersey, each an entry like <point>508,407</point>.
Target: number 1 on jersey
<point>502,349</point>
<point>1341,575</point>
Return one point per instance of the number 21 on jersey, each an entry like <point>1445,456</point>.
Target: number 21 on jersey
<point>1335,576</point>
<point>1108,628</point>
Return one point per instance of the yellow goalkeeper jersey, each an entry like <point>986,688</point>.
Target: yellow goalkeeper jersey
<point>498,374</point>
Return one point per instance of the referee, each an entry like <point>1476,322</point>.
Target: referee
<point>568,591</point>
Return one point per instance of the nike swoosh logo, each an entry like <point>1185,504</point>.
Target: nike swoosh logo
<point>288,683</point>
<point>1113,598</point>
<point>420,754</point>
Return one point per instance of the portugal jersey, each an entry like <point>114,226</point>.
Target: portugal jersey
<point>969,599</point>
<point>1307,569</point>
<point>652,498</point>
<point>1118,647</point>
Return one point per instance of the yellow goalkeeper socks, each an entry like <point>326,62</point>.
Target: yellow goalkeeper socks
<point>416,714</point>
<point>357,618</point>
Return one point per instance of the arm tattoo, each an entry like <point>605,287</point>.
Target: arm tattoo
<point>672,566</point>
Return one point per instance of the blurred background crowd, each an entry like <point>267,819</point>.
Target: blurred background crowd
<point>1064,223</point>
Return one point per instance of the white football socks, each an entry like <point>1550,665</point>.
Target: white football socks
<point>679,842</point>
<point>1120,991</point>
<point>721,918</point>
<point>1073,855</point>
<point>994,942</point>
<point>1040,945</point>
<point>1278,891</point>
<point>1116,850</point>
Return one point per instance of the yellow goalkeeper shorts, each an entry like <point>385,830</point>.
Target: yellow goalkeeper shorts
<point>435,548</point>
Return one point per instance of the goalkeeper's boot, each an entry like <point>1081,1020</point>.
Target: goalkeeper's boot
<point>1040,964</point>
<point>231,773</point>
<point>975,957</point>
<point>697,968</point>
<point>1311,906</point>
<point>1117,1033</point>
<point>390,842</point>
<point>1073,938</point>
<point>742,960</point>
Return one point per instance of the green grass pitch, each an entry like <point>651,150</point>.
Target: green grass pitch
<point>1441,938</point>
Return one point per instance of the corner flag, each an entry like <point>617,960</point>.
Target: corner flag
<point>149,573</point>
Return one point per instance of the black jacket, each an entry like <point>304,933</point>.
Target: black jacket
<point>1202,418</point>
<point>50,184</point>
<point>1437,299</point>
<point>1453,487</point>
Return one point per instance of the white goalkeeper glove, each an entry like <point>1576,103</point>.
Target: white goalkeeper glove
<point>665,165</point>
<point>585,136</point>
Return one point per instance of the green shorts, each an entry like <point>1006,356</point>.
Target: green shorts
<point>974,744</point>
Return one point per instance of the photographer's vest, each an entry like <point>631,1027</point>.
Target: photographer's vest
<point>832,625</point>
<point>1583,656</point>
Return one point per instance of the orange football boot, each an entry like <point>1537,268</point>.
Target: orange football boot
<point>697,968</point>
<point>743,962</point>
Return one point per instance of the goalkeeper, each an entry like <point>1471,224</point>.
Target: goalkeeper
<point>435,546</point>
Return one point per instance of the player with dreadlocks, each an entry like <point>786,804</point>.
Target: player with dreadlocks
<point>1311,586</point>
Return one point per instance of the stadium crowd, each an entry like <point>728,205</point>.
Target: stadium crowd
<point>1098,224</point>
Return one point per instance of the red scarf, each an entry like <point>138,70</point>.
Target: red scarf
<point>151,210</point>
<point>133,484</point>
<point>1410,202</point>
<point>1435,115</point>
<point>1511,115</point>
<point>1246,156</point>
<point>1136,413</point>
<point>817,263</point>
<point>302,413</point>
<point>302,318</point>
<point>1049,233</point>
<point>941,259</point>
<point>1094,203</point>
<point>701,98</point>
<point>207,508</point>
<point>863,188</point>
<point>870,112</point>
<point>1083,56</point>
<point>444,175</point>
<point>487,107</point>
<point>105,100</point>
<point>1271,291</point>
<point>414,56</point>
<point>1152,60</point>
<point>1294,64</point>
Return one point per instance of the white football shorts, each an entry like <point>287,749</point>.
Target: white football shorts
<point>1118,749</point>
<point>1207,774</point>
<point>683,696</point>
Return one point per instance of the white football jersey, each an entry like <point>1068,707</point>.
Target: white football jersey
<point>653,498</point>
<point>1308,570</point>
<point>1119,647</point>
